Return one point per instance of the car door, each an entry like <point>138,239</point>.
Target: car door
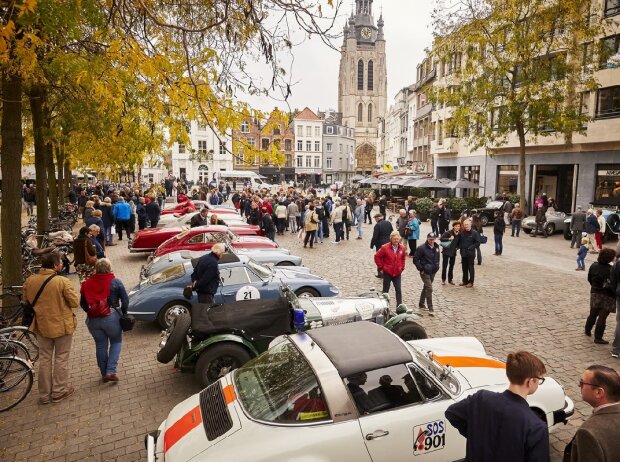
<point>236,285</point>
<point>406,421</point>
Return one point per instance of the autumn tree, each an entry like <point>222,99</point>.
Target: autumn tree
<point>518,68</point>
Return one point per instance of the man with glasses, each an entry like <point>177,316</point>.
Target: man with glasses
<point>598,439</point>
<point>501,426</point>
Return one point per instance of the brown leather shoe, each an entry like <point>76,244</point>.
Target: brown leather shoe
<point>469,285</point>
<point>66,394</point>
<point>462,284</point>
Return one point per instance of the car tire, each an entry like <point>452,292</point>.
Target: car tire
<point>410,330</point>
<point>526,230</point>
<point>307,292</point>
<point>285,263</point>
<point>549,229</point>
<point>174,338</point>
<point>212,361</point>
<point>567,234</point>
<point>164,317</point>
<point>484,220</point>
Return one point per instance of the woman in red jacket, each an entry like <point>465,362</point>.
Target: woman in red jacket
<point>390,260</point>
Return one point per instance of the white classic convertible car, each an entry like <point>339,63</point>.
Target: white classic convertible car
<point>347,392</point>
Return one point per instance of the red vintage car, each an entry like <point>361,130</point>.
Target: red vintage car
<point>149,239</point>
<point>181,208</point>
<point>204,237</point>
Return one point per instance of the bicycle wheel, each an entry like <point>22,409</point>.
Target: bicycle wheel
<point>16,377</point>
<point>10,308</point>
<point>24,336</point>
<point>14,348</point>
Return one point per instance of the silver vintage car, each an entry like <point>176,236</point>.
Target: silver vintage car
<point>556,223</point>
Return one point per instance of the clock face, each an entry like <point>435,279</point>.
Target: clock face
<point>366,33</point>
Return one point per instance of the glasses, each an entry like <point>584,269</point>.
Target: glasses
<point>582,383</point>
<point>541,380</point>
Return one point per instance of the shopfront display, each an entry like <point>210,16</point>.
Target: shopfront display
<point>607,185</point>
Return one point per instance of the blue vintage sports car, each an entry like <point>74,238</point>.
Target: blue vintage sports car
<point>160,295</point>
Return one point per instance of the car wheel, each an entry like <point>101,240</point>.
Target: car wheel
<point>218,360</point>
<point>484,220</point>
<point>549,229</point>
<point>526,230</point>
<point>172,338</point>
<point>410,330</point>
<point>567,234</point>
<point>306,292</point>
<point>285,263</point>
<point>169,312</point>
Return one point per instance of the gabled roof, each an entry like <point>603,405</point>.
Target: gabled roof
<point>307,114</point>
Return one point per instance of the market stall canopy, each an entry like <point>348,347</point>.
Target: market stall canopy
<point>426,183</point>
<point>463,184</point>
<point>402,180</point>
<point>373,180</point>
<point>358,178</point>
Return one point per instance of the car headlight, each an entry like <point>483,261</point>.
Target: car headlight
<point>334,289</point>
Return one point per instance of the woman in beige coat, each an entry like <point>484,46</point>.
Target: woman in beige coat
<point>312,223</point>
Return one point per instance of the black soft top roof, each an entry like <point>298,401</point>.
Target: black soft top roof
<point>360,346</point>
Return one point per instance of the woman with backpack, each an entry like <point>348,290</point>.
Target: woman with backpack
<point>104,298</point>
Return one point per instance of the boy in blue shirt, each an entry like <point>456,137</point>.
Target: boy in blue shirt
<point>581,255</point>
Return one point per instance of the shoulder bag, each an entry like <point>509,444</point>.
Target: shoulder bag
<point>126,321</point>
<point>28,308</point>
<point>88,258</point>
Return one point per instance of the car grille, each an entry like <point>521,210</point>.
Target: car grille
<point>215,416</point>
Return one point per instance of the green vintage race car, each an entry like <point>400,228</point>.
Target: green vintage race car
<point>213,340</point>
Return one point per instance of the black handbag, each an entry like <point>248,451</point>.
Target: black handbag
<point>28,308</point>
<point>127,321</point>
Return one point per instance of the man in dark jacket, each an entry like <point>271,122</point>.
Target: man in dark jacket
<point>206,275</point>
<point>449,253</point>
<point>390,260</point>
<point>540,220</point>
<point>382,205</point>
<point>266,224</point>
<point>577,226</point>
<point>380,235</point>
<point>200,219</point>
<point>141,213</point>
<point>153,211</point>
<point>426,259</point>
<point>502,426</point>
<point>592,227</point>
<point>468,241</point>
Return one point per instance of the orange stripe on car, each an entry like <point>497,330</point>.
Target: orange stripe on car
<point>182,427</point>
<point>229,394</point>
<point>469,361</point>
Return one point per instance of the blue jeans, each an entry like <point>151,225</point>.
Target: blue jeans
<point>498,243</point>
<point>319,231</point>
<point>516,227</point>
<point>108,234</point>
<point>581,262</point>
<point>107,334</point>
<point>359,228</point>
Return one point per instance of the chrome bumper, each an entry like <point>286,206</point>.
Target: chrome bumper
<point>150,443</point>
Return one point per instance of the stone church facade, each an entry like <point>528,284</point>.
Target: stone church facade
<point>362,82</point>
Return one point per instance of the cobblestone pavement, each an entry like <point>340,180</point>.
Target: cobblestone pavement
<point>530,298</point>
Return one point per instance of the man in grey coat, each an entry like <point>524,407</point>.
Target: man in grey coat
<point>577,226</point>
<point>597,439</point>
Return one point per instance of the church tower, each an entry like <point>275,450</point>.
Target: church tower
<point>362,82</point>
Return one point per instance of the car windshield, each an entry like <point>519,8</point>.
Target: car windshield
<point>182,234</point>
<point>168,274</point>
<point>263,271</point>
<point>441,373</point>
<point>495,205</point>
<point>279,386</point>
<point>231,236</point>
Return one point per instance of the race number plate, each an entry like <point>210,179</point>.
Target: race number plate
<point>247,293</point>
<point>429,437</point>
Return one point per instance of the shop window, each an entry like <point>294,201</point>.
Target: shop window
<point>507,178</point>
<point>608,102</point>
<point>607,191</point>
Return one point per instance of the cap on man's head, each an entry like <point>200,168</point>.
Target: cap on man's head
<point>431,236</point>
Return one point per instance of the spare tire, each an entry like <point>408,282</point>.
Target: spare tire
<point>410,330</point>
<point>173,338</point>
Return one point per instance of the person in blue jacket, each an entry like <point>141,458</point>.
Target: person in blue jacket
<point>413,233</point>
<point>502,426</point>
<point>122,213</point>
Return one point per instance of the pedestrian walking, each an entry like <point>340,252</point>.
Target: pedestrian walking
<point>577,226</point>
<point>592,227</point>
<point>337,223</point>
<point>310,225</point>
<point>206,274</point>
<point>293,215</point>
<point>507,211</point>
<point>359,217</point>
<point>597,438</point>
<point>390,261</point>
<point>502,426</point>
<point>383,206</point>
<point>122,214</point>
<point>104,299</point>
<point>448,253</point>
<point>84,254</point>
<point>380,235</point>
<point>468,242</point>
<point>443,217</point>
<point>413,232</point>
<point>141,213</point>
<point>319,209</point>
<point>434,216</point>
<point>368,209</point>
<point>602,296</point>
<point>281,217</point>
<point>266,224</point>
<point>347,218</point>
<point>153,211</point>
<point>581,255</point>
<point>476,224</point>
<point>30,199</point>
<point>401,223</point>
<point>426,260</point>
<point>516,217</point>
<point>499,228</point>
<point>54,300</point>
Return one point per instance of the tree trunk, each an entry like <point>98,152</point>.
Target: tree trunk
<point>67,167</point>
<point>49,161</point>
<point>60,165</point>
<point>36,107</point>
<point>522,191</point>
<point>11,165</point>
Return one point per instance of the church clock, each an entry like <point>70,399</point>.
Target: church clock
<point>366,33</point>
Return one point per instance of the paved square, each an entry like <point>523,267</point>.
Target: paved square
<point>529,298</point>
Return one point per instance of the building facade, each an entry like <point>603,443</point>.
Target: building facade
<point>362,82</point>
<point>308,129</point>
<point>338,149</point>
<point>206,155</point>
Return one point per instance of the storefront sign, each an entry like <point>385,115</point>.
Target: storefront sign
<point>609,172</point>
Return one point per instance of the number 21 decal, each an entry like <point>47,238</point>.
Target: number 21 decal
<point>429,437</point>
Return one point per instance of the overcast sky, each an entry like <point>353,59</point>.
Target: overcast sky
<point>315,66</point>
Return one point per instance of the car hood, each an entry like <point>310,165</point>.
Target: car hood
<point>252,238</point>
<point>296,272</point>
<point>326,311</point>
<point>151,231</point>
<point>467,357</point>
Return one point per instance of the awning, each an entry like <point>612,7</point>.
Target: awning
<point>357,177</point>
<point>427,183</point>
<point>463,184</point>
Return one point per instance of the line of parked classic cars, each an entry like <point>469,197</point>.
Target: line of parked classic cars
<point>280,353</point>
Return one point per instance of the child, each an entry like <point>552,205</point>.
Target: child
<point>581,255</point>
